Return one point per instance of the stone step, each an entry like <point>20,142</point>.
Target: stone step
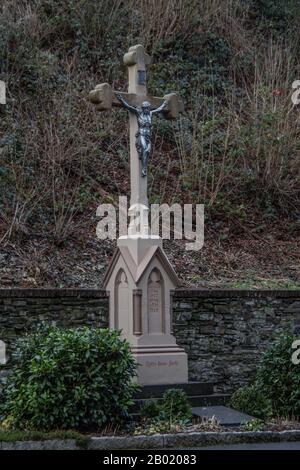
<point>195,401</point>
<point>190,388</point>
<point>209,400</point>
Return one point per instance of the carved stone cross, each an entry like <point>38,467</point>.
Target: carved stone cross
<point>104,98</point>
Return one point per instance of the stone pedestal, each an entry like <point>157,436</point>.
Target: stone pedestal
<point>140,281</point>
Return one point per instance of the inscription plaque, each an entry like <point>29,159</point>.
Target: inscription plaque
<point>155,304</point>
<point>141,77</point>
<point>123,304</point>
<point>3,359</point>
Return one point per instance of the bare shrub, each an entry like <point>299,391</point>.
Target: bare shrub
<point>160,19</point>
<point>269,125</point>
<point>250,141</point>
<point>24,188</point>
<point>203,150</point>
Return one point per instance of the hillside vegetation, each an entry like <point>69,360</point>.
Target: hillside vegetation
<point>235,148</point>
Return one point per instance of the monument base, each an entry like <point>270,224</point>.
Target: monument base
<point>140,281</point>
<point>158,366</point>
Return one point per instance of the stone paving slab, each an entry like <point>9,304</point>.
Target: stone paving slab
<point>224,415</point>
<point>190,388</point>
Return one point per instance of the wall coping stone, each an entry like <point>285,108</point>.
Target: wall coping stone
<point>53,292</point>
<point>180,293</point>
<point>235,293</point>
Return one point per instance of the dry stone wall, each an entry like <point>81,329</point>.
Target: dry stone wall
<point>222,331</point>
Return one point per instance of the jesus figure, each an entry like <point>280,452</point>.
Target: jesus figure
<point>143,135</point>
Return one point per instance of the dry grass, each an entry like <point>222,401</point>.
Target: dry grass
<point>259,133</point>
<point>160,19</point>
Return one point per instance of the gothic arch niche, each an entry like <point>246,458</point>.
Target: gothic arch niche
<point>122,302</point>
<point>156,317</point>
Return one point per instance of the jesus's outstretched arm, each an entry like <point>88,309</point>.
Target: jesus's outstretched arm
<point>126,105</point>
<point>160,108</point>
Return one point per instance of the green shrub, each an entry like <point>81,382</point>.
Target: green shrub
<point>174,407</point>
<point>276,15</point>
<point>253,425</point>
<point>252,401</point>
<point>150,409</point>
<point>69,379</point>
<point>278,378</point>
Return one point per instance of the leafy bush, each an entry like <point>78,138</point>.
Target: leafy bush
<point>252,401</point>
<point>174,407</point>
<point>66,378</point>
<point>276,15</point>
<point>277,387</point>
<point>150,409</point>
<point>278,378</point>
<point>253,425</point>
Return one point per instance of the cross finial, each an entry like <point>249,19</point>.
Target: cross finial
<point>136,60</point>
<point>136,55</point>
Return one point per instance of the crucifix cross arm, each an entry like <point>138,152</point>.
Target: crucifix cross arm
<point>105,98</point>
<point>135,110</point>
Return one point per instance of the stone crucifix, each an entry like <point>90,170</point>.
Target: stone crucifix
<point>141,108</point>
